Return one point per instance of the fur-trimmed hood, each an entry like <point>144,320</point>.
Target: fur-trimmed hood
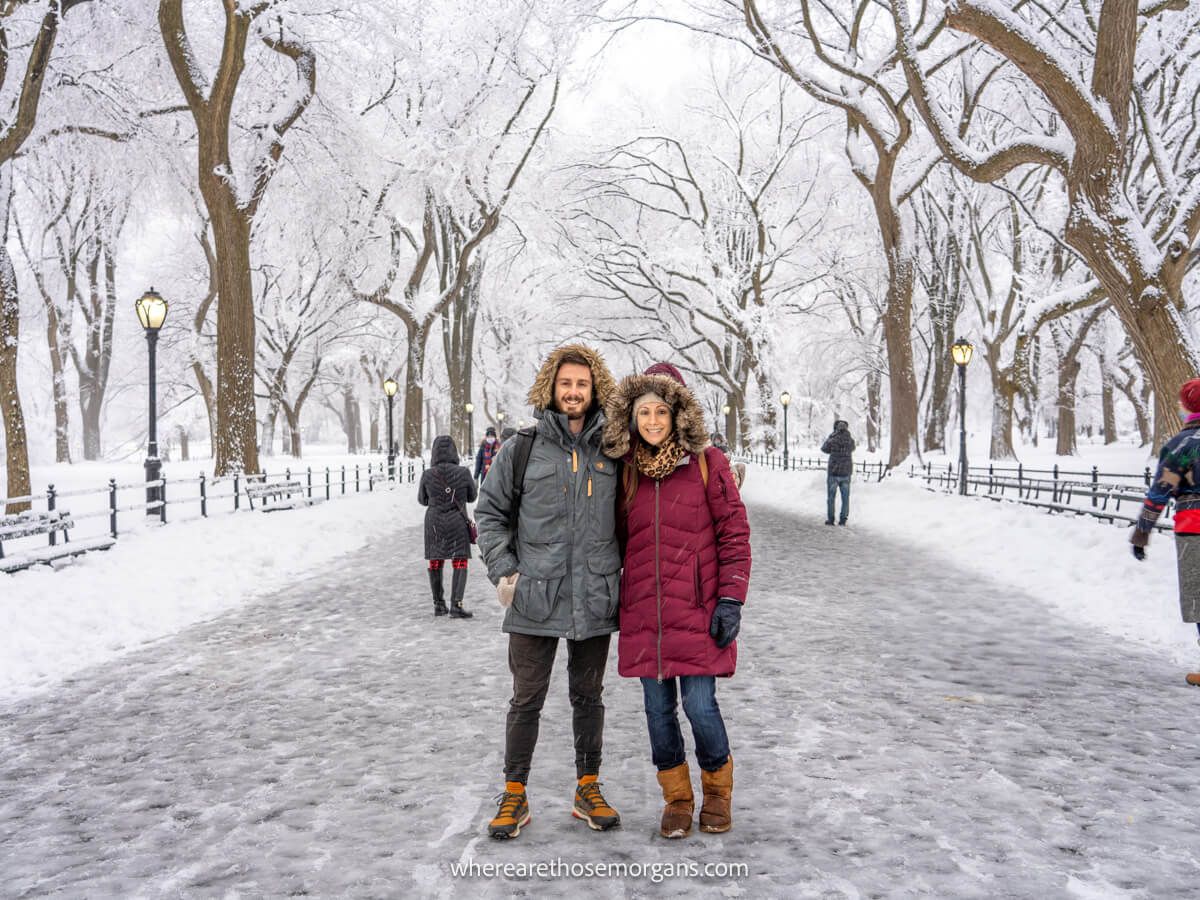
<point>541,395</point>
<point>688,417</point>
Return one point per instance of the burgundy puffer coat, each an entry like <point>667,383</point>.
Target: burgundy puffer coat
<point>686,546</point>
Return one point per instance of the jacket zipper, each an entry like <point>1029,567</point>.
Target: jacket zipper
<point>658,576</point>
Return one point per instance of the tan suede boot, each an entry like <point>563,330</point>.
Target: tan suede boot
<point>716,815</point>
<point>677,815</point>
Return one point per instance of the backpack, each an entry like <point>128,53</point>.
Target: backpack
<point>524,438</point>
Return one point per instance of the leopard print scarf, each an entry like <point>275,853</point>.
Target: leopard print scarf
<point>661,464</point>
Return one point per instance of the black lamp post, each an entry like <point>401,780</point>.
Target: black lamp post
<point>961,351</point>
<point>390,387</point>
<point>786,399</point>
<point>470,408</point>
<point>152,312</point>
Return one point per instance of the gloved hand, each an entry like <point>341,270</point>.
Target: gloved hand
<point>1139,539</point>
<point>507,589</point>
<point>726,621</point>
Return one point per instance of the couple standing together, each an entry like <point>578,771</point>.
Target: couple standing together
<point>615,500</point>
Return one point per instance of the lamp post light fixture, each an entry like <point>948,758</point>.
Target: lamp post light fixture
<point>786,399</point>
<point>470,408</point>
<point>961,351</point>
<point>500,420</point>
<point>390,387</point>
<point>152,312</point>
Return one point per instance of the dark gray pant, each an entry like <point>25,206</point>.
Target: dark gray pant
<point>531,660</point>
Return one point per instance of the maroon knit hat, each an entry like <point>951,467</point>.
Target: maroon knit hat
<point>1189,395</point>
<point>666,369</point>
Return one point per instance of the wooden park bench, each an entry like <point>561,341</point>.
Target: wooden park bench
<point>52,524</point>
<point>276,495</point>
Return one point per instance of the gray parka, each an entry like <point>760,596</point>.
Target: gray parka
<point>566,547</point>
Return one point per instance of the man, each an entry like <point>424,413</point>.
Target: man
<point>486,454</point>
<point>839,445</point>
<point>557,570</point>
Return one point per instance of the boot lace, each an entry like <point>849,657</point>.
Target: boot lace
<point>509,803</point>
<point>590,793</point>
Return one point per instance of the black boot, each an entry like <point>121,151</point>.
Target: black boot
<point>458,587</point>
<point>439,592</point>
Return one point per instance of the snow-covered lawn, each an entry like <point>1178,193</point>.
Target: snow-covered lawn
<point>1078,564</point>
<point>159,579</point>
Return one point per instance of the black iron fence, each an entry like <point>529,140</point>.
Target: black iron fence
<point>202,497</point>
<point>873,471</point>
<point>1112,496</point>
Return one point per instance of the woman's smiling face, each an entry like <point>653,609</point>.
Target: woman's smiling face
<point>654,422</point>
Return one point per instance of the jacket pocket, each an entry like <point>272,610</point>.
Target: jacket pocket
<point>542,568</point>
<point>697,582</point>
<point>602,587</point>
<point>543,505</point>
<point>602,498</point>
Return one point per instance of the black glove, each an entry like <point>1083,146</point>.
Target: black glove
<point>726,621</point>
<point>1139,553</point>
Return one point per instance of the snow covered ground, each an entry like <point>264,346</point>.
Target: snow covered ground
<point>159,579</point>
<point>914,714</point>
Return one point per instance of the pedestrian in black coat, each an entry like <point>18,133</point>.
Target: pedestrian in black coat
<point>446,489</point>
<point>839,445</point>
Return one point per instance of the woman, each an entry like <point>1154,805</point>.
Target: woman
<point>1178,478</point>
<point>687,566</point>
<point>446,488</point>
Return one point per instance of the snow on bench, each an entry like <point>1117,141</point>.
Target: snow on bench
<point>31,524</point>
<point>281,491</point>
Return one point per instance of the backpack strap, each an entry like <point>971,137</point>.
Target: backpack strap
<point>702,457</point>
<point>520,464</point>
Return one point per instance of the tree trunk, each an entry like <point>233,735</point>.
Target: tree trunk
<point>236,446</point>
<point>15,440</point>
<point>1068,372</point>
<point>874,408</point>
<point>414,389</point>
<point>1108,407</point>
<point>206,391</point>
<point>768,413</point>
<point>183,444</point>
<point>62,418</point>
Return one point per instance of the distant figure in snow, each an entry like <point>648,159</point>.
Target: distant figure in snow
<point>687,570</point>
<point>488,448</point>
<point>839,445</point>
<point>1178,478</point>
<point>446,488</point>
<point>739,469</point>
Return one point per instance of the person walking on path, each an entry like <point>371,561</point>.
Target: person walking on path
<point>446,488</point>
<point>486,454</point>
<point>839,445</point>
<point>686,572</point>
<point>547,530</point>
<point>1177,477</point>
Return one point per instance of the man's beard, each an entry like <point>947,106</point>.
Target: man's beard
<point>572,416</point>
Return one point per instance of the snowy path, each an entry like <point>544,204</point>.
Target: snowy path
<point>898,729</point>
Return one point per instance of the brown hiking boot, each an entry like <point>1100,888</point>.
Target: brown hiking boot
<point>591,806</point>
<point>513,813</point>
<point>677,815</point>
<point>1193,679</point>
<point>716,814</point>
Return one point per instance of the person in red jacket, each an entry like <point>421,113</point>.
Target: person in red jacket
<point>686,569</point>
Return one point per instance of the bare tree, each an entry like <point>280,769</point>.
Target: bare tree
<point>14,132</point>
<point>1138,244</point>
<point>232,207</point>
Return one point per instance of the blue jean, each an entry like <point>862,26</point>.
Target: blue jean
<point>832,486</point>
<point>700,706</point>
